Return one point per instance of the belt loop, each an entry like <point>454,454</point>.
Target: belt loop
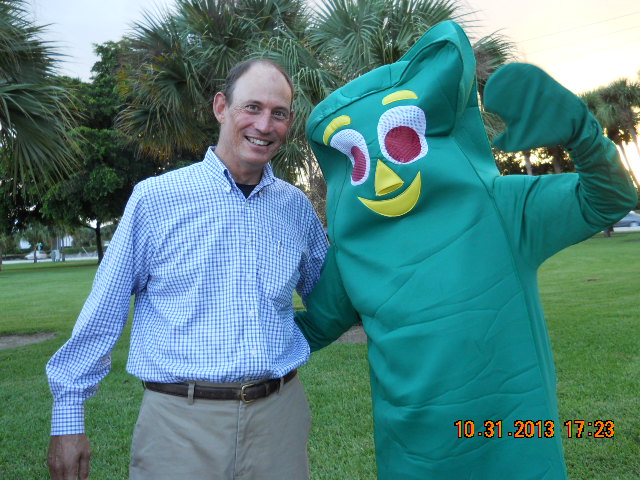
<point>280,384</point>
<point>192,388</point>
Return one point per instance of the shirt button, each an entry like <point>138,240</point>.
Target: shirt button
<point>254,352</point>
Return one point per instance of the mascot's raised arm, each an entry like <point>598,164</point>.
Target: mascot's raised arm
<point>438,254</point>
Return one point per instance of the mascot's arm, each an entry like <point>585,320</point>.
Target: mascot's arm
<point>329,311</point>
<point>551,212</point>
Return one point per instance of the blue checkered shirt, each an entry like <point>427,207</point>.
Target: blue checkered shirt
<point>213,274</point>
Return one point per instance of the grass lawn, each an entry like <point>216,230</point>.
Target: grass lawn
<point>590,293</point>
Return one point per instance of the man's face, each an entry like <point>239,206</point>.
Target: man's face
<point>254,125</point>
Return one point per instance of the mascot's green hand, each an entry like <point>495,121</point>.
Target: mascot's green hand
<point>538,111</point>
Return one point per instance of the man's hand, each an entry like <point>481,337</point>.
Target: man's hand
<point>68,457</point>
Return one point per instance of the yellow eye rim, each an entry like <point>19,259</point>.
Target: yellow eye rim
<point>399,95</point>
<point>335,124</point>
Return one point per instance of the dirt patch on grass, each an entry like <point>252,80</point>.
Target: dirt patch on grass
<point>11,341</point>
<point>354,335</point>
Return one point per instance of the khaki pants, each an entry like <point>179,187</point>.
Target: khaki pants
<point>222,439</point>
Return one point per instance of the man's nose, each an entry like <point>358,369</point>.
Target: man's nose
<point>264,122</point>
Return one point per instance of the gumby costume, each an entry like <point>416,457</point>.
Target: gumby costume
<point>438,255</point>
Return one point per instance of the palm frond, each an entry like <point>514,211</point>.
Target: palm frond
<point>35,114</point>
<point>491,52</point>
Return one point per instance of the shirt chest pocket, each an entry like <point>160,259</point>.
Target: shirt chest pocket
<point>279,266</point>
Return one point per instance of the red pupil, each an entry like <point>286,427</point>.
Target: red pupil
<point>359,164</point>
<point>403,144</point>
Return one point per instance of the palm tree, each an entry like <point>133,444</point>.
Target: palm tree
<point>356,36</point>
<point>34,116</point>
<point>182,57</point>
<point>623,97</point>
<point>181,60</point>
<point>491,52</point>
<point>346,38</point>
<point>36,234</point>
<point>7,241</point>
<point>165,91</point>
<point>359,35</point>
<point>614,107</point>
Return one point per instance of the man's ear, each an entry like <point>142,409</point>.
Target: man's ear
<point>219,106</point>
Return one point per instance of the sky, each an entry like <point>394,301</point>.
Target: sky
<point>584,44</point>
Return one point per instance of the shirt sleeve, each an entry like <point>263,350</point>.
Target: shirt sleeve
<point>315,251</point>
<point>84,360</point>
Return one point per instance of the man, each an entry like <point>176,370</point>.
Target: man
<point>213,337</point>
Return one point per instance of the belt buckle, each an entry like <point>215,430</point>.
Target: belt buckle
<point>243,392</point>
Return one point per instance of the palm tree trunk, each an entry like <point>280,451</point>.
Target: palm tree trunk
<point>318,190</point>
<point>99,241</point>
<point>527,162</point>
<point>635,141</point>
<point>623,155</point>
<point>556,153</point>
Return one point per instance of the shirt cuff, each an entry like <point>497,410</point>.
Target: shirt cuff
<point>67,419</point>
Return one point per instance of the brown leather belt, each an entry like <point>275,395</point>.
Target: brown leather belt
<point>246,392</point>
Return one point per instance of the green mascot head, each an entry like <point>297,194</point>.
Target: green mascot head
<point>385,143</point>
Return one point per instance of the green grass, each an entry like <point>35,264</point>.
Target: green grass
<point>39,297</point>
<point>590,295</point>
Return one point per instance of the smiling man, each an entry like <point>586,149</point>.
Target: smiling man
<point>255,115</point>
<point>213,337</point>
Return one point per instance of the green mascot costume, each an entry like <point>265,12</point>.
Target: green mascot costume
<point>438,255</point>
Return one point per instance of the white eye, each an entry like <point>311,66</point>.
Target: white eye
<point>352,144</point>
<point>401,133</point>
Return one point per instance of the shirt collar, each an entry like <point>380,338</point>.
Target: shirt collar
<point>222,173</point>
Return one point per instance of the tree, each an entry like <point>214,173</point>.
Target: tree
<point>7,242</point>
<point>356,36</point>
<point>182,57</point>
<point>557,157</point>
<point>19,204</point>
<point>34,112</point>
<point>36,234</point>
<point>614,106</point>
<point>623,100</point>
<point>108,167</point>
<point>359,35</point>
<point>180,60</point>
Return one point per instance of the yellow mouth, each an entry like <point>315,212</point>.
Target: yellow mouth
<point>397,206</point>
